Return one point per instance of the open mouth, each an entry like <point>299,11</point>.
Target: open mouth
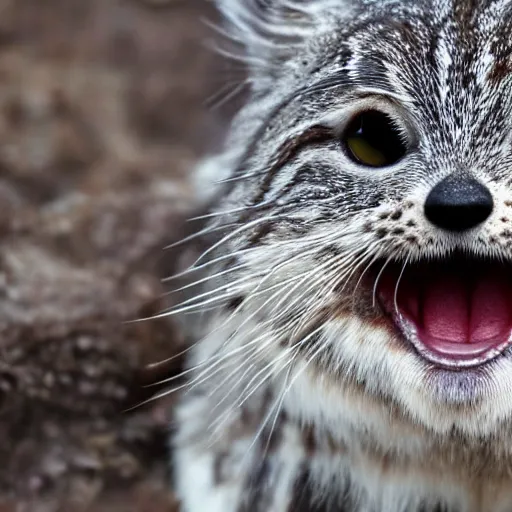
<point>456,312</point>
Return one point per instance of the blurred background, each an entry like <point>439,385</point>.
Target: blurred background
<point>102,118</point>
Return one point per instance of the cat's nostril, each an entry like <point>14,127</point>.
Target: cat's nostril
<point>458,203</point>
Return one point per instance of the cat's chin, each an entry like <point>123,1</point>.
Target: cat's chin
<point>456,313</point>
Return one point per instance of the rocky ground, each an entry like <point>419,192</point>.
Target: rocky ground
<point>101,119</point>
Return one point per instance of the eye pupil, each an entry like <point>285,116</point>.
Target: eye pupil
<point>373,139</point>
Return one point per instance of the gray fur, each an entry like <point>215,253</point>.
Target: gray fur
<point>295,387</point>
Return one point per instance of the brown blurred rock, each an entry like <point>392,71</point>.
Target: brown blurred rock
<point>101,117</point>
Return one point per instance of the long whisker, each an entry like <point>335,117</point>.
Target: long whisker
<point>203,280</point>
<point>221,213</point>
<point>209,263</point>
<point>233,91</point>
<point>372,262</point>
<point>376,283</point>
<point>219,423</point>
<point>200,234</point>
<point>345,276</point>
<point>221,31</point>
<point>237,231</point>
<point>395,295</point>
<point>211,362</point>
<point>280,399</point>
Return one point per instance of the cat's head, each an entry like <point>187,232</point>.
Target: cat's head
<point>370,199</point>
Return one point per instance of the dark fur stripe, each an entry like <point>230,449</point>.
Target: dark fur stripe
<point>314,135</point>
<point>305,500</point>
<point>262,482</point>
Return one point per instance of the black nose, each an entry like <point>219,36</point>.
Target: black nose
<point>458,203</point>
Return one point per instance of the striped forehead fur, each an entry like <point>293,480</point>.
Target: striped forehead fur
<point>273,31</point>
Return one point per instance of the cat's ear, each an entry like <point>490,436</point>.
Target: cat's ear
<point>270,31</point>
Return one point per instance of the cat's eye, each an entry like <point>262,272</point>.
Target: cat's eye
<point>373,139</point>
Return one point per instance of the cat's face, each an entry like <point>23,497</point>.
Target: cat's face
<point>372,189</point>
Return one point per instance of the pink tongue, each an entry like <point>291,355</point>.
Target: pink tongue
<point>490,311</point>
<point>445,310</point>
<point>455,312</point>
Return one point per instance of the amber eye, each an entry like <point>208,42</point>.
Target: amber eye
<point>373,139</point>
